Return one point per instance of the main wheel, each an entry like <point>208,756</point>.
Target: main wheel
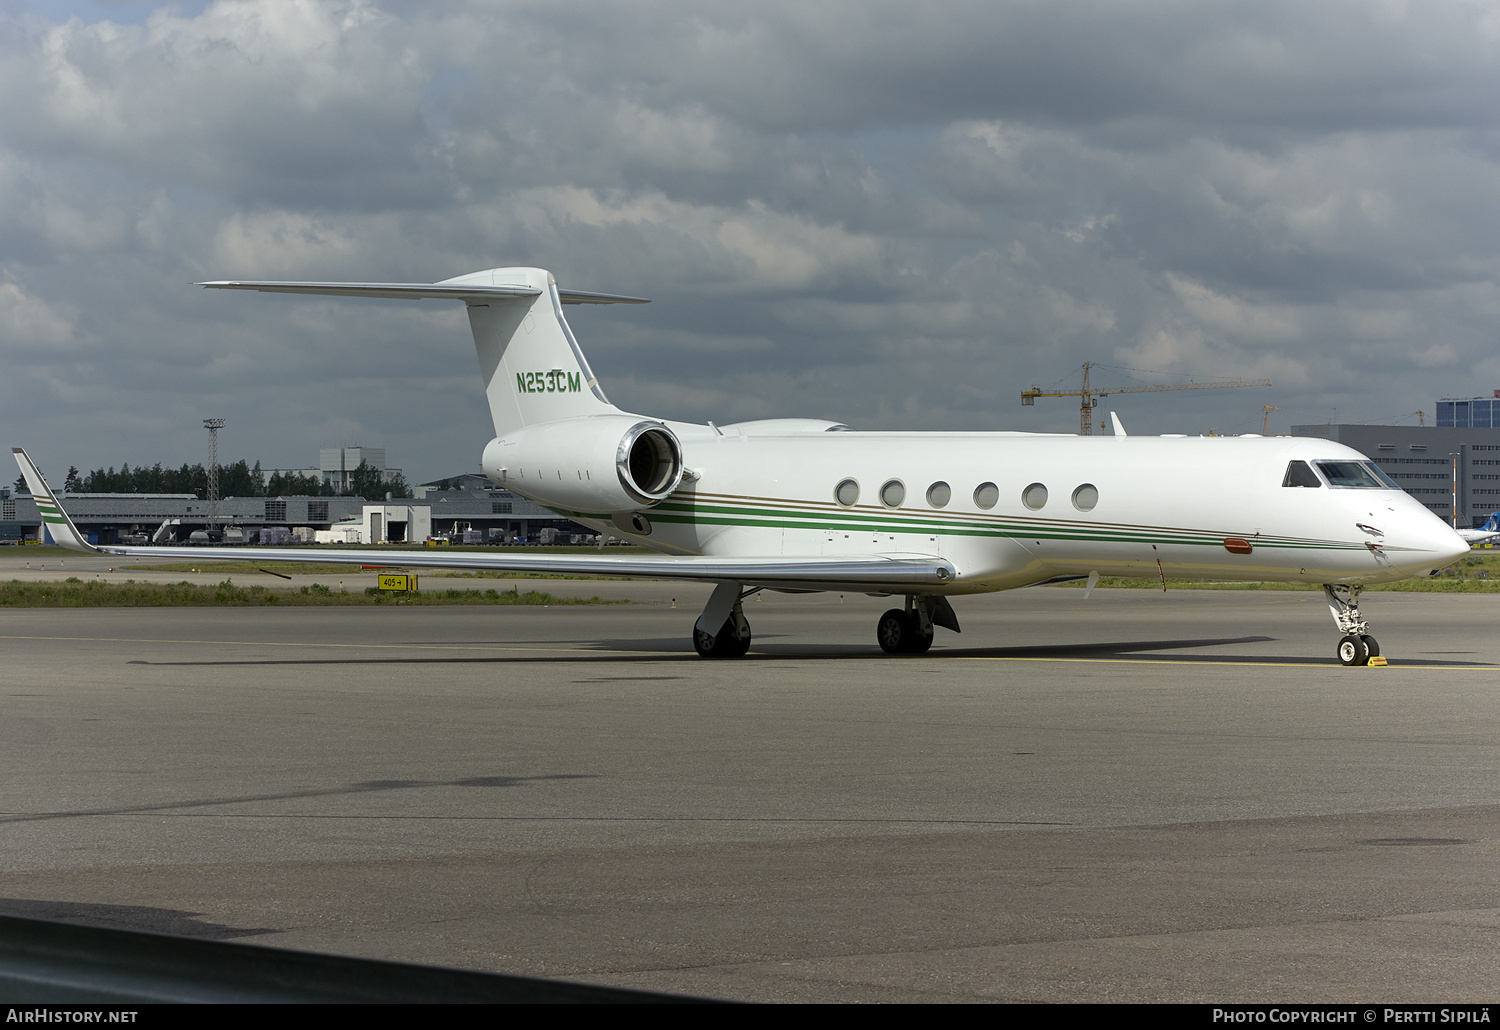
<point>736,633</point>
<point>705,644</point>
<point>918,642</point>
<point>892,631</point>
<point>732,640</point>
<point>1371,646</point>
<point>1352,651</point>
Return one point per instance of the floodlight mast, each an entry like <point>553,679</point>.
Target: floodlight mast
<point>213,425</point>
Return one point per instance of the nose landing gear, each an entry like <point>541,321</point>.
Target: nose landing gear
<point>1356,647</point>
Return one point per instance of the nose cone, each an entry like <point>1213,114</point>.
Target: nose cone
<point>1436,543</point>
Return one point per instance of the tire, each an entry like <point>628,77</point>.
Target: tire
<point>705,644</point>
<point>731,641</point>
<point>1352,651</point>
<point>892,631</point>
<point>1371,646</point>
<point>918,642</point>
<point>737,632</point>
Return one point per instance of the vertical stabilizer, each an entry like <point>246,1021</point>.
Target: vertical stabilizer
<point>533,368</point>
<point>54,519</point>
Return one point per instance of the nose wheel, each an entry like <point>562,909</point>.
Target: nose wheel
<point>1356,647</point>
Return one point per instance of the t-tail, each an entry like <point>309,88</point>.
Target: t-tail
<point>533,369</point>
<point>558,439</point>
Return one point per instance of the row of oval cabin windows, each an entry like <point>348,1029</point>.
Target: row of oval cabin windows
<point>986,495</point>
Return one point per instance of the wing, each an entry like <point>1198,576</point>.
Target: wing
<point>873,573</point>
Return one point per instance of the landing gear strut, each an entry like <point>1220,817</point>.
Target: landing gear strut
<point>909,630</point>
<point>731,639</point>
<point>1356,647</point>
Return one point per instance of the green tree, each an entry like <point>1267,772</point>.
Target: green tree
<point>367,481</point>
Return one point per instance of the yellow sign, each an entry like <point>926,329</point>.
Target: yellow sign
<point>397,581</point>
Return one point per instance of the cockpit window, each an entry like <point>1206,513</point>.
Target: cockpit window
<point>1298,473</point>
<point>1358,475</point>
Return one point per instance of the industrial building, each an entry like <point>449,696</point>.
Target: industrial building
<point>1458,456</point>
<point>471,509</point>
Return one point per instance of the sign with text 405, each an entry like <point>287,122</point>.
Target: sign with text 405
<point>401,581</point>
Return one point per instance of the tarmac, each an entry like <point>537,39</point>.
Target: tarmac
<point>1138,796</point>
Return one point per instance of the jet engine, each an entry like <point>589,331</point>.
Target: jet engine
<point>592,465</point>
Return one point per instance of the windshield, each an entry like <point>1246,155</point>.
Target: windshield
<point>1359,475</point>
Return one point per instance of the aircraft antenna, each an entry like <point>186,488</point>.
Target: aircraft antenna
<point>213,425</point>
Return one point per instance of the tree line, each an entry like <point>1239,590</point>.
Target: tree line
<point>237,480</point>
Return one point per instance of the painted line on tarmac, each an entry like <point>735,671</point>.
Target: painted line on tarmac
<point>317,643</point>
<point>1312,664</point>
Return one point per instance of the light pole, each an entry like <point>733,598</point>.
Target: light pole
<point>213,425</point>
<point>1454,456</point>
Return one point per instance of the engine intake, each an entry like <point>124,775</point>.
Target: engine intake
<point>649,462</point>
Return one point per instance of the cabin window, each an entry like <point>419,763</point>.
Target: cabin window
<point>1085,497</point>
<point>846,493</point>
<point>1353,475</point>
<point>1299,473</point>
<point>939,494</point>
<point>1034,497</point>
<point>986,494</point>
<point>893,493</point>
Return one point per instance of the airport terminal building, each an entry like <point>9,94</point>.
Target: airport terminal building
<point>468,509</point>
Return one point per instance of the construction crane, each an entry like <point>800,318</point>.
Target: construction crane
<point>1088,398</point>
<point>1265,423</point>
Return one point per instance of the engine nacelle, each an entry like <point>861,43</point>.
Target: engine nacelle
<point>597,464</point>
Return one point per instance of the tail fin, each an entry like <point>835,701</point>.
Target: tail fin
<point>533,368</point>
<point>1493,525</point>
<point>54,519</point>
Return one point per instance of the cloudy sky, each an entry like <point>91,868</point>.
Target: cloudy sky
<point>892,214</point>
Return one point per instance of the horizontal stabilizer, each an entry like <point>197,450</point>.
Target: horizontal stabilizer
<point>421,291</point>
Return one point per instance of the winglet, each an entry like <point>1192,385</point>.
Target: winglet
<point>64,533</point>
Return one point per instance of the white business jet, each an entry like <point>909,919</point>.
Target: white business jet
<point>807,504</point>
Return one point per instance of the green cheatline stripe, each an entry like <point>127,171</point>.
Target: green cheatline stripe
<point>882,521</point>
<point>785,519</point>
<point>873,523</point>
<point>1017,533</point>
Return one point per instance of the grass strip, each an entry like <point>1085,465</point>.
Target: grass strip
<point>76,593</point>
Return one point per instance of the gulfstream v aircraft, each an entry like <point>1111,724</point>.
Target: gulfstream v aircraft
<point>806,504</point>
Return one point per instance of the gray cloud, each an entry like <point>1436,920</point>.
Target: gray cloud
<point>869,211</point>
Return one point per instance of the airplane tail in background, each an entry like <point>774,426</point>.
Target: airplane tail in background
<point>54,519</point>
<point>533,369</point>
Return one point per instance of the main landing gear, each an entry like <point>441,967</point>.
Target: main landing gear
<point>909,630</point>
<point>731,637</point>
<point>1356,647</point>
<point>900,631</point>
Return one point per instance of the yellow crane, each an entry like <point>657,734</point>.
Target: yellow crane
<point>1088,398</point>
